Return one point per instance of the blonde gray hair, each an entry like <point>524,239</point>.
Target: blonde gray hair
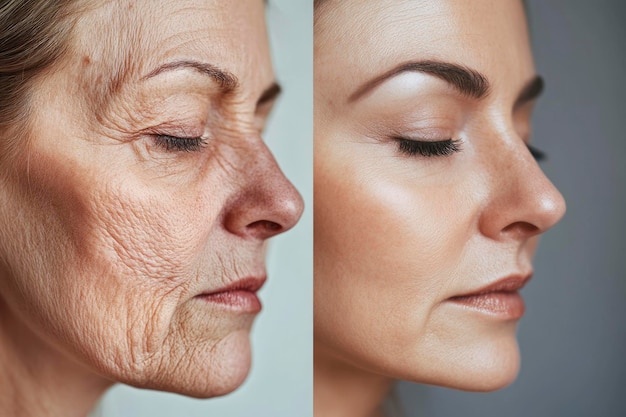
<point>34,35</point>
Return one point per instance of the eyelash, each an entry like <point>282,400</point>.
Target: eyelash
<point>176,144</point>
<point>428,148</point>
<point>536,153</point>
<point>445,148</point>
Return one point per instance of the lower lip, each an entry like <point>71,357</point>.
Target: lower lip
<point>507,305</point>
<point>239,300</point>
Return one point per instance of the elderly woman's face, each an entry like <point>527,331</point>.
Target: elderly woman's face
<point>425,191</point>
<point>145,183</point>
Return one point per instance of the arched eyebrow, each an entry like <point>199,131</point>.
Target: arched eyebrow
<point>227,81</point>
<point>465,80</point>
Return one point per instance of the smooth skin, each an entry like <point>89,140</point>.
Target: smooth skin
<point>397,235</point>
<point>107,235</point>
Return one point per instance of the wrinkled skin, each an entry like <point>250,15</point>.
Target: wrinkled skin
<point>396,235</point>
<point>106,237</point>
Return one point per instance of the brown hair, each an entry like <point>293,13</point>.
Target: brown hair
<point>33,36</point>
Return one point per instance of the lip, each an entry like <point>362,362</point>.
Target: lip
<point>240,296</point>
<point>500,299</point>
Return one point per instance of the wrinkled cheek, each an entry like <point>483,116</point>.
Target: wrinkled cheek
<point>117,263</point>
<point>47,208</point>
<point>55,288</point>
<point>145,237</point>
<point>145,252</point>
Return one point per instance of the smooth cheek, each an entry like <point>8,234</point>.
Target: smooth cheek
<point>384,250</point>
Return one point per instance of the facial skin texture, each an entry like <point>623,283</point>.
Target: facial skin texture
<point>396,235</point>
<point>106,236</point>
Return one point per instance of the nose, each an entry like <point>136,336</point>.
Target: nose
<point>522,201</point>
<point>264,203</point>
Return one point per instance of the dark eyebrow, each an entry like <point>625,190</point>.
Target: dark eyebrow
<point>269,94</point>
<point>227,81</point>
<point>466,80</point>
<point>530,92</point>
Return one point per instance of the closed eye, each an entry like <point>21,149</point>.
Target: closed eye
<point>537,154</point>
<point>178,144</point>
<point>412,147</point>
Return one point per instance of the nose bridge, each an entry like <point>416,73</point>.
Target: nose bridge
<point>522,199</point>
<point>262,171</point>
<point>264,202</point>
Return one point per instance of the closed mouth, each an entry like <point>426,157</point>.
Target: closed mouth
<point>239,296</point>
<point>500,299</point>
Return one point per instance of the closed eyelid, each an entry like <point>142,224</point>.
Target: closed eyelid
<point>530,92</point>
<point>427,148</point>
<point>538,154</point>
<point>179,144</point>
<point>269,95</point>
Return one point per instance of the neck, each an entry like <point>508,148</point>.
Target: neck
<point>37,379</point>
<point>342,389</point>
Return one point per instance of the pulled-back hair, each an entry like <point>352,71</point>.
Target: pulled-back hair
<point>33,36</point>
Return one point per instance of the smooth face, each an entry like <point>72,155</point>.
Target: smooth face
<point>145,183</point>
<point>403,227</point>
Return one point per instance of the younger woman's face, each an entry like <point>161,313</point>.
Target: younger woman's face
<point>425,190</point>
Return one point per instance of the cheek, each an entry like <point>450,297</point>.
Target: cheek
<point>114,269</point>
<point>114,224</point>
<point>142,233</point>
<point>385,252</point>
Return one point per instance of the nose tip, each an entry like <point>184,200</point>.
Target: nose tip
<point>287,207</point>
<point>266,203</point>
<point>293,208</point>
<point>523,203</point>
<point>552,205</point>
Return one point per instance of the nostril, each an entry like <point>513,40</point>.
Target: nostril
<point>267,226</point>
<point>521,229</point>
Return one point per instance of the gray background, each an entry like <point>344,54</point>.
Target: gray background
<point>281,381</point>
<point>573,337</point>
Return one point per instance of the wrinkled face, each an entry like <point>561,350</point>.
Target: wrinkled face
<point>145,184</point>
<point>426,193</point>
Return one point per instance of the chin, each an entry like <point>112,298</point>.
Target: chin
<point>468,362</point>
<point>483,368</point>
<point>209,372</point>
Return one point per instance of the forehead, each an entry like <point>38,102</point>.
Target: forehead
<point>367,38</point>
<point>132,37</point>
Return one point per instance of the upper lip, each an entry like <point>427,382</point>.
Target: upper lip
<point>509,283</point>
<point>251,284</point>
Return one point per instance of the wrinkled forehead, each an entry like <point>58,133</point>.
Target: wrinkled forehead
<point>489,36</point>
<point>127,39</point>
